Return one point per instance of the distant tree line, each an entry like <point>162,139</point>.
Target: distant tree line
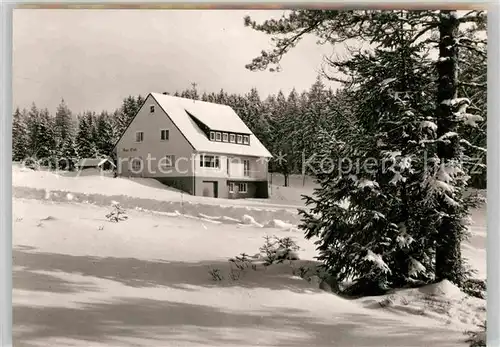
<point>286,124</point>
<point>38,135</point>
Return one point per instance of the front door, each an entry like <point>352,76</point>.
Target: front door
<point>210,189</point>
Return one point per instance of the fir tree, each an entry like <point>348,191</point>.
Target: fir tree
<point>139,101</point>
<point>315,116</point>
<point>105,138</point>
<point>32,123</point>
<point>63,122</point>
<point>46,139</point>
<point>472,83</point>
<point>19,135</point>
<point>441,192</point>
<point>382,199</point>
<point>128,110</point>
<point>69,154</point>
<point>282,135</point>
<point>191,93</point>
<point>85,145</point>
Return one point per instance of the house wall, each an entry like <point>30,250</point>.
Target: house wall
<point>258,168</point>
<point>153,147</point>
<point>255,189</point>
<point>184,183</point>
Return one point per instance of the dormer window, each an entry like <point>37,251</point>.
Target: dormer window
<point>246,139</point>
<point>217,136</point>
<point>239,139</point>
<point>224,137</point>
<point>212,136</point>
<point>232,138</point>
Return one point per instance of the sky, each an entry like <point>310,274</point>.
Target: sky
<point>95,58</point>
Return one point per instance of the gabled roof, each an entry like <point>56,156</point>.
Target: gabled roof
<point>93,162</point>
<point>216,117</point>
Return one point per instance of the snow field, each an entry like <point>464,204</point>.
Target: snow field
<point>81,280</point>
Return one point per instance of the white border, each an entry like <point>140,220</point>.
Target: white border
<point>493,126</point>
<point>493,174</point>
<point>6,177</point>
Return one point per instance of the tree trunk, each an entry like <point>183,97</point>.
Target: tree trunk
<point>448,253</point>
<point>286,179</point>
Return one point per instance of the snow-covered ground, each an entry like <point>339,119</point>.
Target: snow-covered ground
<point>91,182</point>
<point>80,280</point>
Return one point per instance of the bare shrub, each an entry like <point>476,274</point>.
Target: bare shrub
<point>216,275</point>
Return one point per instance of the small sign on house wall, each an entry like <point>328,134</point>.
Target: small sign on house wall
<point>129,149</point>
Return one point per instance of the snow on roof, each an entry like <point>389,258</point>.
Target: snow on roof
<point>95,162</point>
<point>106,160</point>
<point>216,117</point>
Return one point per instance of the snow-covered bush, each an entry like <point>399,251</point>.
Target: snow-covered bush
<point>477,338</point>
<point>117,213</point>
<point>475,287</point>
<point>277,250</point>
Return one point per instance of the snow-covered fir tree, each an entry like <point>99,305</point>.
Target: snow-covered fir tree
<point>315,117</point>
<point>46,139</point>
<point>32,124</point>
<point>105,136</point>
<point>63,122</point>
<point>439,192</point>
<point>472,76</point>
<point>19,135</point>
<point>129,108</point>
<point>191,93</point>
<point>368,213</point>
<point>85,145</point>
<point>284,117</point>
<point>68,155</point>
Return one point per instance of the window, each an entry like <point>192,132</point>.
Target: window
<point>212,161</point>
<point>230,186</point>
<point>239,139</point>
<point>217,137</point>
<point>165,134</point>
<point>212,136</point>
<point>224,137</point>
<point>232,138</point>
<point>139,136</point>
<point>246,139</point>
<point>168,161</point>
<point>246,168</point>
<point>242,187</point>
<point>135,164</point>
<point>152,109</point>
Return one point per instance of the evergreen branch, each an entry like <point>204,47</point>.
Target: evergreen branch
<point>481,53</point>
<point>467,143</point>
<point>472,84</point>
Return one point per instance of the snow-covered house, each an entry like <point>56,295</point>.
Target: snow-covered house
<point>199,147</point>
